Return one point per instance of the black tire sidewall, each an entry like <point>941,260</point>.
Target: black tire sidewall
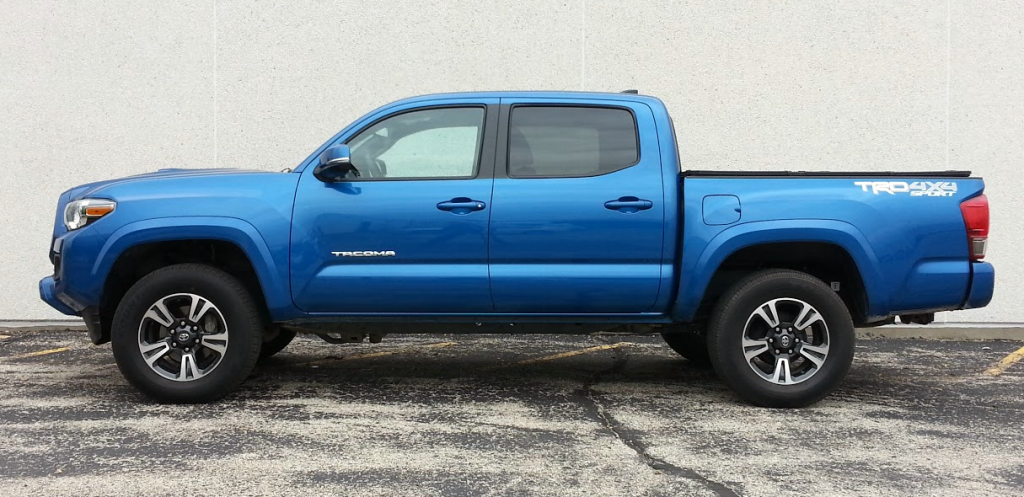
<point>727,328</point>
<point>236,305</point>
<point>276,344</point>
<point>692,346</point>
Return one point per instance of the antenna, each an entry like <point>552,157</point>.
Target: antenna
<point>631,91</point>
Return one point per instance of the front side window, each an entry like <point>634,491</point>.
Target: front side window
<point>568,142</point>
<point>430,143</point>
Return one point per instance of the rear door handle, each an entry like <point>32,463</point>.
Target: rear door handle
<point>461,205</point>
<point>628,205</point>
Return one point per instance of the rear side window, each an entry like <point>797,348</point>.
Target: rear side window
<point>570,142</point>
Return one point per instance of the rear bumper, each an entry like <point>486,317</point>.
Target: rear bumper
<point>983,281</point>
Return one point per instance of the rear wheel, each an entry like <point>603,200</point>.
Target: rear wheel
<point>781,338</point>
<point>187,333</point>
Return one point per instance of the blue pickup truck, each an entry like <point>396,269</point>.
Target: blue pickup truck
<point>535,212</point>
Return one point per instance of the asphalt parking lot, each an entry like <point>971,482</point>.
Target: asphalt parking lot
<point>510,415</point>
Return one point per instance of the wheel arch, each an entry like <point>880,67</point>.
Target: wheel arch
<point>828,250</point>
<point>230,244</point>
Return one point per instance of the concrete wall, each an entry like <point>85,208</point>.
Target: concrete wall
<point>94,90</point>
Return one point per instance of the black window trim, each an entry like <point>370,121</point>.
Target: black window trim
<point>506,121</point>
<point>483,169</point>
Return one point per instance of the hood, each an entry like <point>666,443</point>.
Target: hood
<point>89,189</point>
<point>176,184</point>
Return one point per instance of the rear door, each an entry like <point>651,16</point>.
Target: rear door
<point>577,214</point>
<point>410,234</point>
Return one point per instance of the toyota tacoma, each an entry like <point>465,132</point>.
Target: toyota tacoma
<point>512,212</point>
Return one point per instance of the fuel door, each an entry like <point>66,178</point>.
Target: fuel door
<point>721,209</point>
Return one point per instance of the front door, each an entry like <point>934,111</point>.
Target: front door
<point>577,223</point>
<point>410,234</point>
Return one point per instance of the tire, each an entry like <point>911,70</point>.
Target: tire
<point>274,343</point>
<point>743,344</point>
<point>692,346</point>
<point>222,332</point>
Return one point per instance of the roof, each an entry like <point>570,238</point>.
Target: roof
<point>534,94</point>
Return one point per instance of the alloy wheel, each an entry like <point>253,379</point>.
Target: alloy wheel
<point>785,341</point>
<point>183,337</point>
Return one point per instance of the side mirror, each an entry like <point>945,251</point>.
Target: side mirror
<point>335,165</point>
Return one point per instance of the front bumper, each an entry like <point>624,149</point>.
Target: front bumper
<point>97,332</point>
<point>49,294</point>
<point>74,286</point>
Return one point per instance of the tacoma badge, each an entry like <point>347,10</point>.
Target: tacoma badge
<point>366,253</point>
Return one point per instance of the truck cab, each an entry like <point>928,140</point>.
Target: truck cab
<point>527,204</point>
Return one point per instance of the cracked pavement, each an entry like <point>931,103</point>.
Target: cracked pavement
<point>510,415</point>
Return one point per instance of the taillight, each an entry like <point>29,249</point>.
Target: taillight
<point>975,213</point>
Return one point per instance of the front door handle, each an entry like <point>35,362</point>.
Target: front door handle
<point>461,205</point>
<point>628,205</point>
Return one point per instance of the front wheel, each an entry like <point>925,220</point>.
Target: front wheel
<point>275,342</point>
<point>781,338</point>
<point>187,333</point>
<point>690,345</point>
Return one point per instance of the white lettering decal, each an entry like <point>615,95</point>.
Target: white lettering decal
<point>916,189</point>
<point>366,253</point>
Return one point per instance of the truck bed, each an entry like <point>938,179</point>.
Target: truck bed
<point>904,230</point>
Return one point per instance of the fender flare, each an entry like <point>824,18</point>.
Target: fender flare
<point>227,229</point>
<point>696,273</point>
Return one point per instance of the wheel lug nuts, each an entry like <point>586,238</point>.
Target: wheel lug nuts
<point>776,351</point>
<point>771,340</point>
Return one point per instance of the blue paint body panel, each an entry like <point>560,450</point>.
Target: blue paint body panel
<point>539,249</point>
<point>436,249</point>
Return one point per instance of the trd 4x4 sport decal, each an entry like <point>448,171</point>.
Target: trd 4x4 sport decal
<point>915,189</point>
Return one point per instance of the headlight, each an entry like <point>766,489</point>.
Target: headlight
<point>82,212</point>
